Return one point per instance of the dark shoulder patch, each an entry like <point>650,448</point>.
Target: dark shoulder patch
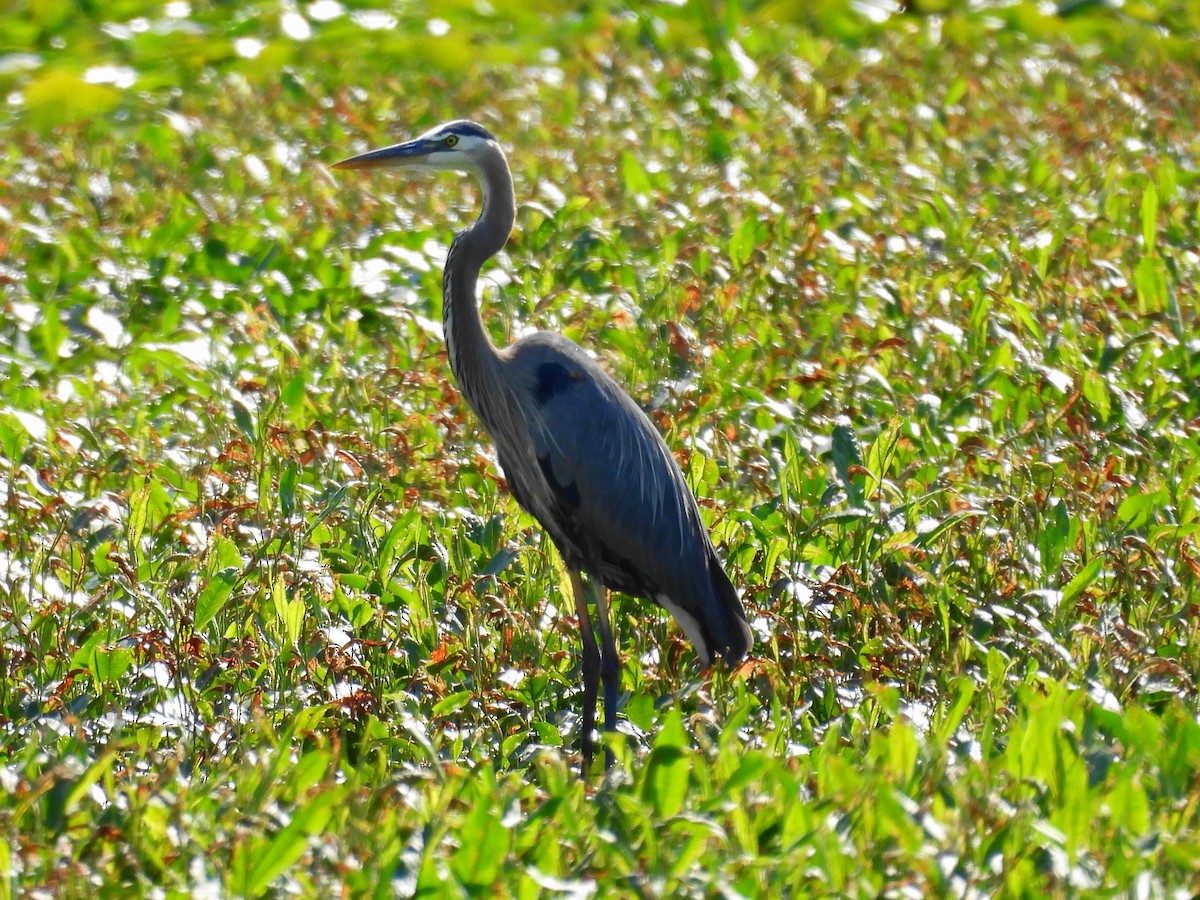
<point>551,379</point>
<point>566,494</point>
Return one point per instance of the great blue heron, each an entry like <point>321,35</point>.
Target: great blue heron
<point>578,453</point>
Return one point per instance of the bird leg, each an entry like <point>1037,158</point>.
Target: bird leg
<point>610,669</point>
<point>591,669</point>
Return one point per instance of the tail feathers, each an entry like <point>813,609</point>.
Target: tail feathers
<point>725,627</point>
<point>716,624</point>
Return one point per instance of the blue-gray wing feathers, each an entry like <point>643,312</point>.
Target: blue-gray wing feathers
<point>612,497</point>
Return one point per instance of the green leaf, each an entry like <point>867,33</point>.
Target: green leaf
<point>213,597</point>
<point>244,419</point>
<point>964,689</point>
<point>744,241</point>
<point>883,452</point>
<point>288,845</point>
<point>846,455</point>
<point>331,504</point>
<point>1149,216</point>
<point>932,536</point>
<point>287,489</point>
<point>665,782</point>
<point>1136,510</point>
<point>452,703</point>
<point>225,555</point>
<point>52,331</point>
<point>634,177</point>
<point>288,611</point>
<point>1128,804</point>
<point>1082,579</point>
<point>1150,279</point>
<point>1054,534</point>
<point>139,508</point>
<point>720,150</point>
<point>59,98</point>
<point>389,549</point>
<point>749,771</point>
<point>100,562</point>
<point>310,768</point>
<point>101,765</point>
<point>1022,315</point>
<point>110,664</point>
<point>13,437</point>
<point>294,393</point>
<point>956,91</point>
<point>483,852</point>
<point>1095,390</point>
<point>845,516</point>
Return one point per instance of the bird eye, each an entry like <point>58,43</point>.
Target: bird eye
<point>451,140</point>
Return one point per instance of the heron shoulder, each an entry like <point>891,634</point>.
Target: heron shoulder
<point>547,365</point>
<point>546,346</point>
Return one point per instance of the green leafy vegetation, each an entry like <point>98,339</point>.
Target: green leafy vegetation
<point>913,294</point>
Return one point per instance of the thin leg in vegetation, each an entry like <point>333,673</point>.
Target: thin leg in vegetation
<point>591,669</point>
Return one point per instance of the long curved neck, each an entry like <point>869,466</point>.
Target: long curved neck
<point>473,359</point>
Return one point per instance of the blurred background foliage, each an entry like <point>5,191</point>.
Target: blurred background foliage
<point>62,61</point>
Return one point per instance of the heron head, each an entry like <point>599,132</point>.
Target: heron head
<point>458,145</point>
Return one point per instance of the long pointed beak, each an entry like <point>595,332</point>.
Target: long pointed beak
<point>410,153</point>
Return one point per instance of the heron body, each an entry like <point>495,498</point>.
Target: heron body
<point>578,453</point>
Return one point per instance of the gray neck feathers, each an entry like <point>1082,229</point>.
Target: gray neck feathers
<point>473,359</point>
